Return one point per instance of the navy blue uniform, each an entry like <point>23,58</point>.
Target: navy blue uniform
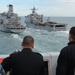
<point>25,62</point>
<point>66,60</point>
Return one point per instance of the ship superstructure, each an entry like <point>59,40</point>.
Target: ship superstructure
<point>10,22</point>
<point>34,20</point>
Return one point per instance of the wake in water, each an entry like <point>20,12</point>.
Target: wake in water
<point>47,41</point>
<point>44,41</point>
<point>16,36</point>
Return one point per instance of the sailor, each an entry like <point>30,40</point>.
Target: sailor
<point>25,62</point>
<point>66,59</point>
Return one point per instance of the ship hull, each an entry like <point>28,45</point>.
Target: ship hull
<point>9,30</point>
<point>52,27</point>
<point>17,30</point>
<point>29,25</point>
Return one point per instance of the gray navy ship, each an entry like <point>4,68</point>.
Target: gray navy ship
<point>34,20</point>
<point>10,22</point>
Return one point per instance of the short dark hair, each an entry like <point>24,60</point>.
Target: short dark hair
<point>72,32</point>
<point>28,41</point>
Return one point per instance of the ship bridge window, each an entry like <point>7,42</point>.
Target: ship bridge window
<point>1,21</point>
<point>46,67</point>
<point>59,26</point>
<point>17,28</point>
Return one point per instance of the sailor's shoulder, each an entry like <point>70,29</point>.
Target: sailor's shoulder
<point>15,52</point>
<point>38,54</point>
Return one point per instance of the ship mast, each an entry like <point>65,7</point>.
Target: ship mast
<point>33,10</point>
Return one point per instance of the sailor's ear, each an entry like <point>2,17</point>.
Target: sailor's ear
<point>70,37</point>
<point>33,46</point>
<point>22,43</point>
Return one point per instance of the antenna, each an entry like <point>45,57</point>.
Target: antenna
<point>33,10</point>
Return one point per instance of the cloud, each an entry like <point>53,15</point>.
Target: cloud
<point>67,1</point>
<point>51,11</point>
<point>57,11</point>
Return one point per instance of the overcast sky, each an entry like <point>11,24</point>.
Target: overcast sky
<point>45,7</point>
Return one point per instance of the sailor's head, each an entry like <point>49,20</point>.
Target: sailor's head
<point>72,34</point>
<point>28,42</point>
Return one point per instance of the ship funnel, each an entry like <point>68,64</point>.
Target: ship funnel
<point>10,9</point>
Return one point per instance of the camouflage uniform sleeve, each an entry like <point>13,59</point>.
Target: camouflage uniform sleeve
<point>2,72</point>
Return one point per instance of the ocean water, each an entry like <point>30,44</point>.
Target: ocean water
<point>45,41</point>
